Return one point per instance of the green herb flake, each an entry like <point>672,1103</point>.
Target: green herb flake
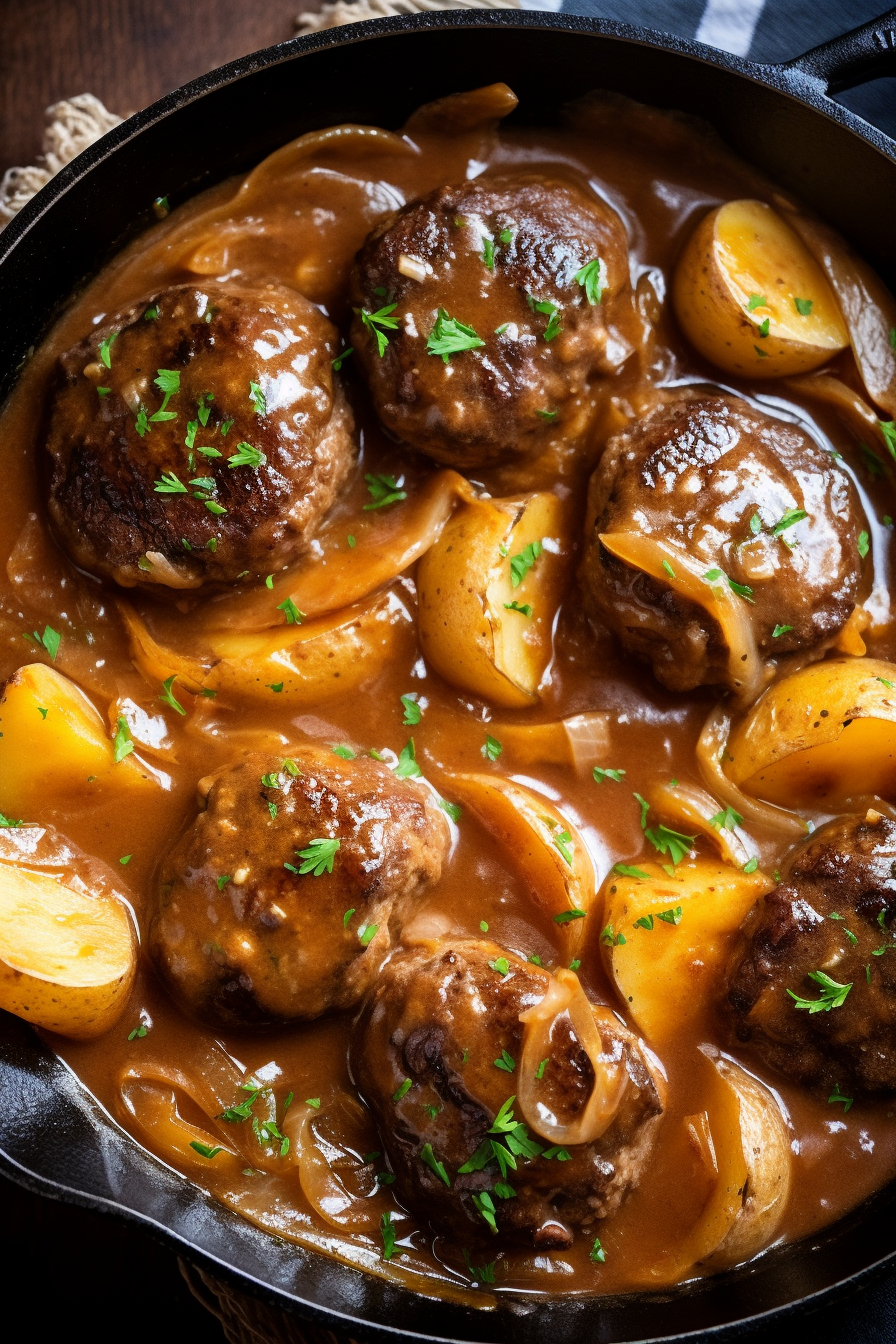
<point>402,1090</point>
<point>106,348</point>
<point>367,933</point>
<point>671,916</point>
<point>592,277</point>
<point>625,870</point>
<point>122,742</point>
<point>384,490</point>
<point>318,857</point>
<point>862,542</point>
<point>407,767</point>
<point>611,939</point>
<point>340,359</point>
<point>756,301</point>
<point>170,485</point>
<point>258,399</point>
<point>803,306</point>
<point>387,1232</point>
<point>246,456</point>
<point>451,337</point>
<point>341,750</point>
<point>788,519</point>
<point>506,1062</point>
<point>524,608</point>
<point>500,965</point>
<point>204,1150</point>
<point>567,916</point>
<point>492,748</point>
<point>780,630</point>
<point>833,995</point>
<point>597,1252</point>
<point>837,1096</point>
<point>454,811</point>
<point>600,775</point>
<point>379,323</point>
<point>138,1032</point>
<point>751,865</point>
<point>169,698</point>
<point>488,253</point>
<point>539,1072</point>
<point>521,564</point>
<point>726,820</point>
<point>412,711</point>
<point>291,612</point>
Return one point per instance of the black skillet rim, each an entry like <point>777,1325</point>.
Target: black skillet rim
<point>793,80</point>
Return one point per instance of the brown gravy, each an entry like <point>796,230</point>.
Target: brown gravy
<point>299,219</point>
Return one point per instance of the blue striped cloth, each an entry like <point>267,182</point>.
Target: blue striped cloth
<point>763,30</point>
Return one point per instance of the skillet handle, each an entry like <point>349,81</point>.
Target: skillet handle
<point>852,59</point>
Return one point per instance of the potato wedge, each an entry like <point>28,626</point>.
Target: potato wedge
<point>751,297</point>
<point>746,1150</point>
<point>312,660</point>
<point>542,843</point>
<point>819,737</point>
<point>489,590</point>
<point>47,756</point>
<point>67,959</point>
<point>666,938</point>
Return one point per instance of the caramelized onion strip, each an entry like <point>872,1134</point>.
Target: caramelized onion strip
<point>565,997</point>
<point>712,743</point>
<point>688,579</point>
<point>693,808</point>
<point>335,1180</point>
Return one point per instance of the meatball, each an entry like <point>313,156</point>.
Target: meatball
<point>748,499</point>
<point>828,917</point>
<point>197,436</point>
<point>494,298</point>
<point>438,1054</point>
<point>282,898</point>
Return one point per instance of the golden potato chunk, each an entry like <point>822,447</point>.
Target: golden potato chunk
<point>67,959</point>
<point>489,590</point>
<point>751,297</point>
<point>819,737</point>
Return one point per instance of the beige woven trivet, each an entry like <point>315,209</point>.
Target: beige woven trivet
<point>77,122</point>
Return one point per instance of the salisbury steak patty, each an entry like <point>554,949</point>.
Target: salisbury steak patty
<point>830,915</point>
<point>481,315</point>
<point>740,498</point>
<point>282,898</point>
<point>197,436</point>
<point>438,1055</point>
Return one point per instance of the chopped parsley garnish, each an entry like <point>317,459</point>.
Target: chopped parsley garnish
<point>863,544</point>
<point>645,922</point>
<point>726,820</point>
<point>454,811</point>
<point>106,349</point>
<point>125,859</point>
<point>668,568</point>
<point>625,870</point>
<point>270,781</point>
<point>49,641</point>
<point>387,1232</point>
<point>600,775</point>
<point>488,253</point>
<point>755,524</point>
<point>547,415</point>
<point>611,939</point>
<point>492,748</point>
<point>450,337</point>
<point>428,1156</point>
<point>889,686</point>
<point>103,391</point>
<point>152,313</point>
<point>803,306</point>
<point>367,933</point>
<point>671,916</point>
<point>841,919</point>
<point>407,767</point>
<point>342,357</point>
<point>567,916</point>
<point>168,697</point>
<point>347,916</point>
<point>170,485</point>
<point>757,301</point>
<point>412,711</point>
<point>122,741</point>
<point>204,1150</point>
<point>192,430</point>
<point>309,1101</point>
<point>788,519</point>
<point>751,865</point>
<point>500,965</point>
<point>763,354</point>
<point>551,311</point>
<point>221,882</point>
<point>485,1206</point>
<point>524,608</point>
<point>138,1032</point>
<point>563,843</point>
<point>142,424</point>
<point>402,1090</point>
<point>837,1096</point>
<point>385,490</point>
<point>539,1072</point>
<point>888,429</point>
<point>341,750</point>
<point>780,630</point>
<point>763,327</point>
<point>318,857</point>
<point>556,1152</point>
<point>742,590</point>
<point>246,456</point>
<point>521,564</point>
<point>670,842</point>
<point>597,1252</point>
<point>593,280</point>
<point>7,823</point>
<point>506,1062</point>
<point>480,1273</point>
<point>275,686</point>
<point>168,383</point>
<point>291,612</point>
<point>351,542</point>
<point>833,995</point>
<point>378,323</point>
<point>258,399</point>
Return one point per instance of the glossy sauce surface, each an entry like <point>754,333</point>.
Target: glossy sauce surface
<point>298,220</point>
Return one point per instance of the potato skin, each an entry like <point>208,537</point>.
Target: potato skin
<point>694,472</point>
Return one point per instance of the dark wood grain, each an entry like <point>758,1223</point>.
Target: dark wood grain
<point>127,52</point>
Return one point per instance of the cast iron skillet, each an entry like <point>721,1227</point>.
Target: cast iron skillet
<point>54,1138</point>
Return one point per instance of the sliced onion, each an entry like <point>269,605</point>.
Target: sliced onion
<point>745,666</point>
<point>868,307</point>
<point>712,743</point>
<point>693,807</point>
<point>335,1179</point>
<point>156,662</point>
<point>566,998</point>
<point>385,546</point>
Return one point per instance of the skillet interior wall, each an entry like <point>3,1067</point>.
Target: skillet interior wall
<point>263,101</point>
